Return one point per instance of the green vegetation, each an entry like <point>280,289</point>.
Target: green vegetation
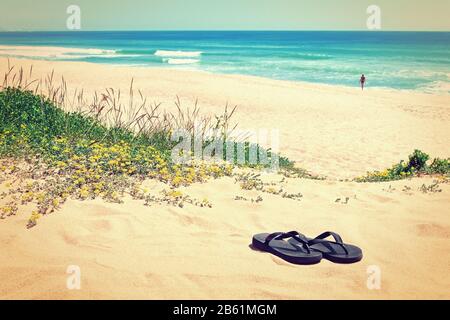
<point>58,155</point>
<point>416,165</point>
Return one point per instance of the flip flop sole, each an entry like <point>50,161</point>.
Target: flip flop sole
<point>285,250</point>
<point>355,253</point>
<point>342,260</point>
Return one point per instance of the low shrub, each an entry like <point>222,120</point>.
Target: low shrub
<point>416,165</point>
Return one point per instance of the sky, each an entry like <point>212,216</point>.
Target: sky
<point>50,15</point>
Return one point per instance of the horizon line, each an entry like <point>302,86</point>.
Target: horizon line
<point>225,30</point>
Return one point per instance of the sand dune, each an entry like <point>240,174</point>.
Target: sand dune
<point>160,252</point>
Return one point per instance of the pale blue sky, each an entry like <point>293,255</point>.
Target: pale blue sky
<point>225,14</point>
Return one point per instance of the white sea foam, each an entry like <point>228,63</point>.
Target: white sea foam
<point>109,56</point>
<point>93,51</point>
<point>187,54</point>
<point>54,52</point>
<point>182,61</point>
<point>436,87</point>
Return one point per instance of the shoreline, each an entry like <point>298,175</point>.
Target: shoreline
<point>61,50</point>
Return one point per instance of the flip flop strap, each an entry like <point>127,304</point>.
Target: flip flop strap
<point>326,234</point>
<point>300,238</point>
<point>272,236</point>
<point>291,234</point>
<point>321,239</point>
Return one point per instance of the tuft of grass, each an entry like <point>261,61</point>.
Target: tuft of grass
<point>439,166</point>
<point>416,165</point>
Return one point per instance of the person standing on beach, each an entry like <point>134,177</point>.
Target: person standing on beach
<point>362,81</point>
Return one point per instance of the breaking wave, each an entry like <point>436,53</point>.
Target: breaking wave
<point>186,54</point>
<point>182,61</point>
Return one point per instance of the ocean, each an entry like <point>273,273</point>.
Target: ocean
<point>399,60</point>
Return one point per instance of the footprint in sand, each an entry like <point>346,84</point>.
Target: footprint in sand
<point>187,219</point>
<point>432,230</point>
<point>380,198</point>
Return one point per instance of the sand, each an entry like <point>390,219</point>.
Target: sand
<point>162,252</point>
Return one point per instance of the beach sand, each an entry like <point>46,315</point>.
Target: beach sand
<point>162,252</point>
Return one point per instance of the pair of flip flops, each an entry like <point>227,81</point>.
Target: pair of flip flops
<point>296,248</point>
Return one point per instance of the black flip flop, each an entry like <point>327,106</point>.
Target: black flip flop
<point>298,253</point>
<point>336,251</point>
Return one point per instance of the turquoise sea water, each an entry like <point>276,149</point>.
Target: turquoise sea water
<point>401,60</point>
